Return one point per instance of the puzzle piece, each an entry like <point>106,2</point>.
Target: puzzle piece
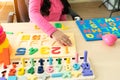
<point>2,78</point>
<point>21,51</point>
<point>40,69</point>
<point>33,50</point>
<point>87,72</point>
<point>36,37</point>
<point>12,72</point>
<point>50,69</point>
<point>59,60</point>
<point>50,60</point>
<point>41,61</point>
<point>56,75</point>
<point>31,70</point>
<point>32,77</point>
<point>25,37</point>
<point>76,66</point>
<point>67,74</point>
<point>21,71</point>
<point>12,78</point>
<point>76,73</point>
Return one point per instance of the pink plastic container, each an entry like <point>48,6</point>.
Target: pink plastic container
<point>109,39</point>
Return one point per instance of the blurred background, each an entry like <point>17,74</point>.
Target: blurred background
<point>85,8</point>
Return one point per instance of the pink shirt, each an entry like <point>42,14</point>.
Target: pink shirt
<point>55,14</point>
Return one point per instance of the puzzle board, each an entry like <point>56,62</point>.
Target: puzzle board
<point>93,29</point>
<point>63,71</point>
<point>45,46</point>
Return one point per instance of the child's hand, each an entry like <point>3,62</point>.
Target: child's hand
<point>61,38</point>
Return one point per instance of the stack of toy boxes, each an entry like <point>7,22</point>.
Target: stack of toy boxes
<point>5,48</point>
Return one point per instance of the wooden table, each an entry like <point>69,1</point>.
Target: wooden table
<point>105,59</point>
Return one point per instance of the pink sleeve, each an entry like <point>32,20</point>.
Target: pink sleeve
<point>63,18</point>
<point>37,18</point>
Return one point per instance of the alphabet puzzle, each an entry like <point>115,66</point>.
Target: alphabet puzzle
<point>93,29</point>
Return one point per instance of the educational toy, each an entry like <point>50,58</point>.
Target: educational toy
<point>68,68</point>
<point>94,29</point>
<point>109,39</point>
<point>5,48</point>
<point>36,56</point>
<point>40,45</point>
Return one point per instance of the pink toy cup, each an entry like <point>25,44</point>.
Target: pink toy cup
<point>109,39</point>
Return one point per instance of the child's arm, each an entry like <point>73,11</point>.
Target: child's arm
<point>38,19</point>
<point>63,18</point>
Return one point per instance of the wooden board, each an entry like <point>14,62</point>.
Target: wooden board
<point>46,46</point>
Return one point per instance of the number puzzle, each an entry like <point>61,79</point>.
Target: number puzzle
<point>69,68</point>
<point>40,45</point>
<point>93,29</point>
